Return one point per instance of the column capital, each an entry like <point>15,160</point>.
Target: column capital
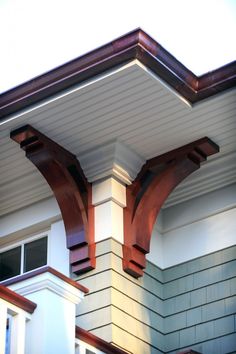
<point>111,160</point>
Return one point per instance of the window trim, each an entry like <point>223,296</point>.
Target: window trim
<point>22,243</point>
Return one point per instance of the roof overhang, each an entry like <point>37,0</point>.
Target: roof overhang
<point>134,45</point>
<point>129,95</point>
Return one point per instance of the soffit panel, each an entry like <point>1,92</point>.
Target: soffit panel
<point>129,104</point>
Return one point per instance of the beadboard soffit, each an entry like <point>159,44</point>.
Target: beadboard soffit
<point>113,123</point>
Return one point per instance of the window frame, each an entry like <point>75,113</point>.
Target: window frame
<point>22,243</point>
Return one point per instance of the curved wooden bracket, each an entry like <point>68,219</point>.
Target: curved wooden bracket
<point>146,195</point>
<point>65,176</point>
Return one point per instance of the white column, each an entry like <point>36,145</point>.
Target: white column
<point>3,323</point>
<point>52,327</point>
<point>109,199</point>
<point>17,341</point>
<point>80,349</point>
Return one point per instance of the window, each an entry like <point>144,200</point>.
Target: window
<point>23,258</point>
<point>35,254</point>
<point>10,263</point>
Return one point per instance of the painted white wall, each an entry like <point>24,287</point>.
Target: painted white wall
<point>195,228</point>
<point>156,255</point>
<point>199,238</point>
<point>39,219</point>
<point>58,256</point>
<point>199,208</point>
<point>31,219</point>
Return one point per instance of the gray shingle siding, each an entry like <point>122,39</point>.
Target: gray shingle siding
<point>191,305</point>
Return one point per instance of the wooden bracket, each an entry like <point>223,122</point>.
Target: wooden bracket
<point>73,193</point>
<point>147,194</point>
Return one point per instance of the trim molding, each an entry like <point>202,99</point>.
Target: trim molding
<point>43,270</point>
<point>134,45</point>
<point>97,342</point>
<point>147,194</point>
<point>17,300</point>
<point>64,175</point>
<point>113,159</point>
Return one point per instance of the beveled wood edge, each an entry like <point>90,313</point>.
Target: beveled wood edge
<point>16,299</point>
<point>97,342</point>
<point>134,45</point>
<point>42,270</point>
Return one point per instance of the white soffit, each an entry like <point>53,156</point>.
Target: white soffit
<point>131,105</point>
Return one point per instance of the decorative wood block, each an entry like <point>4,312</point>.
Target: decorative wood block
<point>65,176</point>
<point>146,195</point>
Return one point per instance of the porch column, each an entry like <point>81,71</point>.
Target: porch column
<point>17,343</point>
<point>109,199</point>
<point>3,325</point>
<point>52,329</point>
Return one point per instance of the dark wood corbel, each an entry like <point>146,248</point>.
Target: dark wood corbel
<point>146,195</point>
<point>73,193</point>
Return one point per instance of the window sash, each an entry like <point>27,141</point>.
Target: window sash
<point>22,257</point>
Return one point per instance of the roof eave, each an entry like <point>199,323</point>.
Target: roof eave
<point>134,45</point>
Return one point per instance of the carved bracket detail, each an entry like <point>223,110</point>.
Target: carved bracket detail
<point>73,193</point>
<point>147,194</point>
